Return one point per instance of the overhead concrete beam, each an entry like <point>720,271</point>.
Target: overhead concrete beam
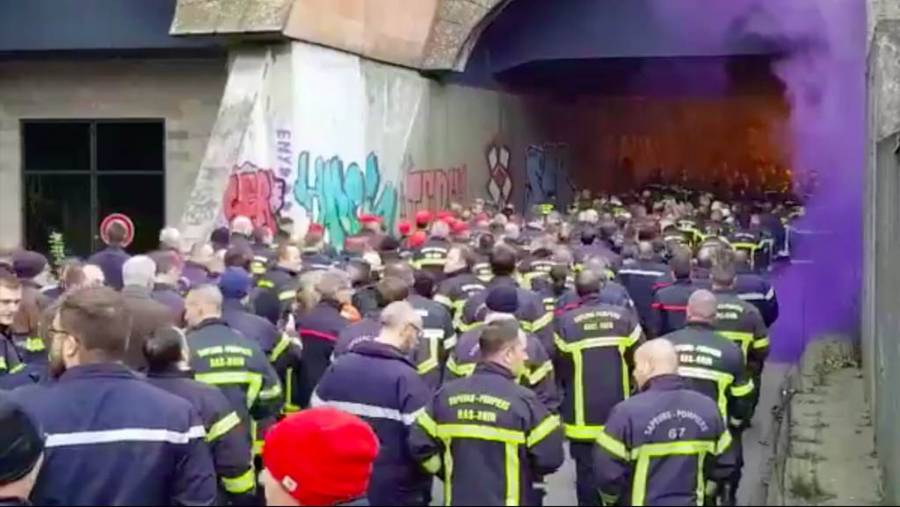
<point>208,17</point>
<point>455,31</point>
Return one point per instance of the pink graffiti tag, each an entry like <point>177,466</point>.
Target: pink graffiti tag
<point>255,193</point>
<point>434,189</point>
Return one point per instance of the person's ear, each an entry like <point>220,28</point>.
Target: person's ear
<point>71,347</point>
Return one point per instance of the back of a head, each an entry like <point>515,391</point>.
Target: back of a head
<point>21,444</point>
<point>98,318</point>
<point>314,240</point>
<point>165,349</point>
<point>503,260</point>
<point>170,237</point>
<point>239,255</point>
<point>166,261</point>
<point>702,307</point>
<point>207,297</point>
<point>559,274</point>
<point>440,230</point>
<point>202,253</point>
<point>219,238</point>
<point>681,262</point>
<point>242,225</point>
<point>390,290</point>
<point>398,315</point>
<point>645,251</point>
<point>741,257</point>
<point>512,231</point>
<point>262,235</point>
<point>139,271</point>
<point>589,282</point>
<point>597,264</point>
<point>723,272</point>
<point>116,233</point>
<point>287,253</point>
<point>331,284</point>
<point>485,243</point>
<point>705,257</point>
<point>496,337</point>
<point>402,271</point>
<point>661,356</point>
<point>425,283</point>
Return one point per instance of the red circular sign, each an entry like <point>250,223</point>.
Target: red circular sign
<point>122,219</point>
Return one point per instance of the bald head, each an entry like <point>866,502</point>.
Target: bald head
<point>653,359</point>
<point>702,307</point>
<point>202,303</point>
<point>645,251</point>
<point>402,271</point>
<point>589,282</point>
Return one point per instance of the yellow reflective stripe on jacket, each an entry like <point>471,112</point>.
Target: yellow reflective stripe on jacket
<point>752,247</point>
<point>539,373</point>
<point>542,322</point>
<point>35,344</point>
<point>582,432</point>
<point>222,426</point>
<point>723,382</point>
<point>576,350</point>
<point>724,443</point>
<point>240,484</point>
<point>424,420</point>
<point>612,445</point>
<point>280,347</point>
<point>3,363</point>
<point>265,284</point>
<point>480,432</point>
<point>464,327</point>
<point>432,465</point>
<point>540,432</point>
<point>287,295</point>
<point>742,390</point>
<point>271,393</point>
<point>17,368</point>
<point>460,370</point>
<point>225,378</point>
<point>432,362</point>
<point>289,408</point>
<point>742,339</point>
<point>444,300</point>
<point>645,453</point>
<point>512,474</point>
<point>762,343</point>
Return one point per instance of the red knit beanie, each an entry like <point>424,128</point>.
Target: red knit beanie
<point>321,456</point>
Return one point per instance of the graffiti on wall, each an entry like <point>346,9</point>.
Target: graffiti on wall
<point>434,189</point>
<point>335,195</point>
<point>499,185</point>
<point>255,193</point>
<point>547,175</point>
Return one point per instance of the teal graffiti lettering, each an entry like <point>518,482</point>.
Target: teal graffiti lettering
<point>335,196</point>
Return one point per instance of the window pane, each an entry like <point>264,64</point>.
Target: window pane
<point>57,146</point>
<point>130,146</point>
<point>141,198</point>
<point>56,202</point>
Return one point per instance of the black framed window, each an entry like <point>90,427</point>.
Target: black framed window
<point>75,172</point>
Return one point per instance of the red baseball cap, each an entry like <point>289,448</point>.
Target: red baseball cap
<point>445,215</point>
<point>417,239</point>
<point>369,219</point>
<point>404,227</point>
<point>423,217</point>
<point>459,226</point>
<point>316,228</point>
<point>321,456</point>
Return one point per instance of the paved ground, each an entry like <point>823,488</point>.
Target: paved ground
<point>561,485</point>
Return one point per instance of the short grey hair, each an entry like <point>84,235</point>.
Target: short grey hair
<point>171,237</point>
<point>399,314</point>
<point>242,225</point>
<point>139,270</point>
<point>331,283</point>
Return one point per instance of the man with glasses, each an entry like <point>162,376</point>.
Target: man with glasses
<point>99,416</point>
<point>377,381</point>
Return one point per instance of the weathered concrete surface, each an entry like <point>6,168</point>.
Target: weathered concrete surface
<point>203,17</point>
<point>455,31</point>
<point>826,453</point>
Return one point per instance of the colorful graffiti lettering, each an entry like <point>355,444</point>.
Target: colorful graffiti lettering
<point>434,189</point>
<point>499,186</point>
<point>255,193</point>
<point>335,196</point>
<point>547,172</point>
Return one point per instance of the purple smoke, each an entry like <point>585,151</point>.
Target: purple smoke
<point>823,68</point>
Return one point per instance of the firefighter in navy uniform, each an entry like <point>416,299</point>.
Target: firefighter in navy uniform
<point>104,423</point>
<point>531,313</point>
<point>661,446</point>
<point>283,351</point>
<point>482,268</point>
<point>487,437</point>
<point>228,439</point>
<point>641,278</point>
<point>460,283</point>
<point>753,287</point>
<point>714,365</point>
<point>224,358</point>
<point>594,347</point>
<point>432,256</point>
<point>534,270</point>
<point>22,445</point>
<point>670,302</point>
<point>277,289</point>
<point>377,382</point>
<point>537,373</point>
<point>740,321</point>
<point>11,364</point>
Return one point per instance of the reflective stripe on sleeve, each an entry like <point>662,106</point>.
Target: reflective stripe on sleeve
<point>539,373</point>
<point>287,295</point>
<point>479,432</point>
<point>612,445</point>
<point>225,378</point>
<point>123,435</point>
<point>582,431</point>
<point>280,347</point>
<point>540,432</point>
<point>424,420</point>
<point>742,390</point>
<point>542,322</point>
<point>35,344</point>
<point>432,465</point>
<point>364,410</point>
<point>241,484</point>
<point>444,300</point>
<point>761,343</point>
<point>222,426</point>
<point>724,443</point>
<point>460,370</point>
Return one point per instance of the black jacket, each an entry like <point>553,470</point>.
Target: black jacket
<point>318,330</point>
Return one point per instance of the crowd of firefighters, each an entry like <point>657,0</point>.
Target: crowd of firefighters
<point>468,345</point>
